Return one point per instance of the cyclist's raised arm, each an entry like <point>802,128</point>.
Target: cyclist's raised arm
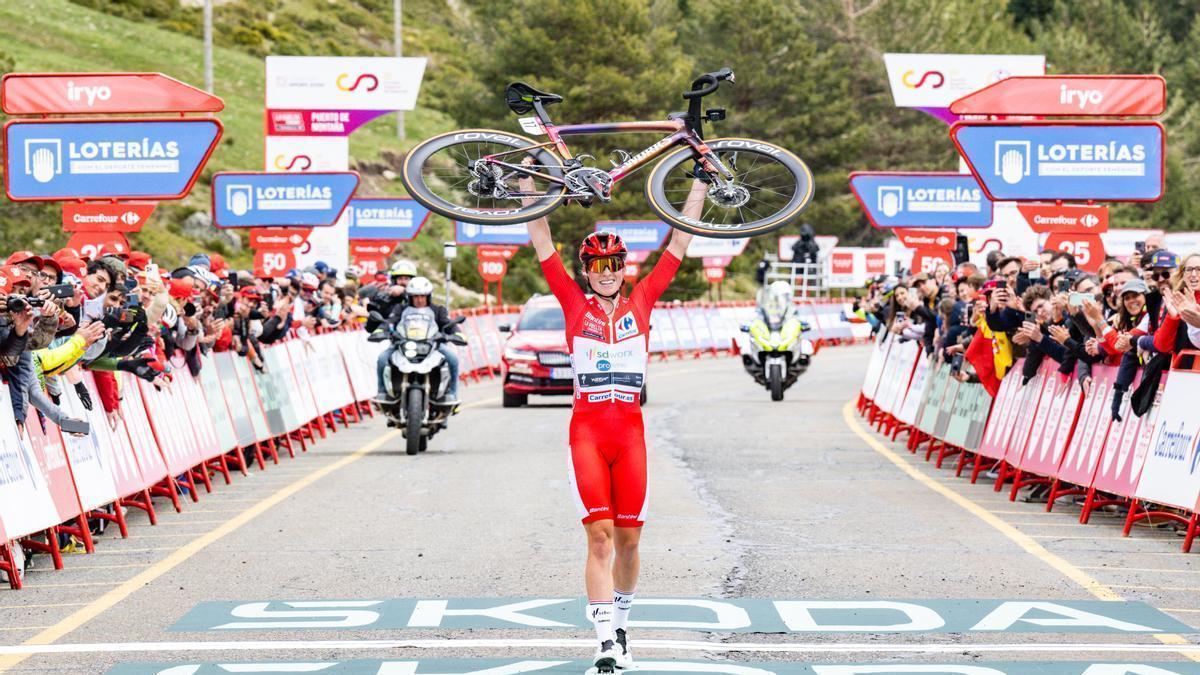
<point>539,229</point>
<point>691,208</point>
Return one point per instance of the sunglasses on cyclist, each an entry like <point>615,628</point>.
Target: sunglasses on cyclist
<point>609,264</point>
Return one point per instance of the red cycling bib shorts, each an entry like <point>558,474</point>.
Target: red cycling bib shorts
<point>608,358</point>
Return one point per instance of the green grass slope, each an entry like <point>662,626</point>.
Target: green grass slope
<point>56,35</point>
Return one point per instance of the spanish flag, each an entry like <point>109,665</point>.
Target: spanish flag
<point>991,355</point>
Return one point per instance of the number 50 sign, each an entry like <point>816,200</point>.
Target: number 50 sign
<point>273,262</point>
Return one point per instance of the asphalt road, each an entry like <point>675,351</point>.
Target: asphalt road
<point>749,500</point>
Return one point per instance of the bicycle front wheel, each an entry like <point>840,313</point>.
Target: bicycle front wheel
<point>770,188</point>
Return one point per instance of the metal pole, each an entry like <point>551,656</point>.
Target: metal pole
<point>208,51</point>
<point>398,40</point>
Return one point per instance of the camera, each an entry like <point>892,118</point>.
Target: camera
<point>956,363</point>
<point>18,303</point>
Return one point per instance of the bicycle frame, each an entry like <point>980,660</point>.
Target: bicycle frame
<point>679,134</point>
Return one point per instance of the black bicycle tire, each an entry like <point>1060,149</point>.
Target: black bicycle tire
<point>416,158</point>
<point>797,205</point>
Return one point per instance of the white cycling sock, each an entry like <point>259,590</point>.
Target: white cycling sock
<point>622,603</point>
<point>601,614</point>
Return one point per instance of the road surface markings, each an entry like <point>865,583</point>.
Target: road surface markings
<point>578,643</point>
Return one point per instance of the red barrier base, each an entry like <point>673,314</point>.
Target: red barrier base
<point>946,450</point>
<point>1059,489</point>
<point>1140,510</point>
<point>1023,479</point>
<point>80,531</point>
<point>144,503</point>
<point>1097,500</point>
<point>1005,472</point>
<point>981,465</point>
<point>117,516</point>
<point>49,546</point>
<point>168,488</point>
<point>8,564</point>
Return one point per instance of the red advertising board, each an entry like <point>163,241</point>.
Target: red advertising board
<point>1088,249</point>
<point>273,262</point>
<point>278,237</point>
<point>371,248</point>
<point>931,239</point>
<point>632,271</point>
<point>105,216</point>
<point>876,262</point>
<point>101,93</point>
<point>927,259</point>
<point>496,252</point>
<point>715,275</point>
<point>637,257</point>
<point>95,244</point>
<point>369,266</point>
<point>841,262</point>
<point>1067,95</point>
<point>492,269</point>
<point>1068,218</point>
<point>717,261</point>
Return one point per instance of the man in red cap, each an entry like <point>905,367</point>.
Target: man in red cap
<point>66,252</point>
<point>16,323</point>
<point>217,264</point>
<point>27,259</point>
<point>138,260</point>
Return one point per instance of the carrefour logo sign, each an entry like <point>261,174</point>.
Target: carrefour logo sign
<point>1178,446</point>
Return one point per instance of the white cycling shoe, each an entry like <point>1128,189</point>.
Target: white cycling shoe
<point>624,658</point>
<point>605,659</point>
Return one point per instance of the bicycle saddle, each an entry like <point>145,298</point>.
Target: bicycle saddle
<point>520,97</point>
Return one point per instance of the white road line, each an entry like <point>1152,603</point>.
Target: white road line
<point>642,645</point>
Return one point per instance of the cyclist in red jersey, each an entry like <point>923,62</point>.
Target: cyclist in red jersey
<point>608,337</point>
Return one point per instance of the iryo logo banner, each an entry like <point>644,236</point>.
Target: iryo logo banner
<point>638,235</point>
<point>385,218</point>
<point>265,199</point>
<point>52,160</point>
<point>97,93</point>
<point>1069,95</point>
<point>1115,162</point>
<point>921,199</point>
<point>470,234</point>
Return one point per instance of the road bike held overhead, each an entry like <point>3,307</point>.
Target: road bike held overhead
<point>474,175</point>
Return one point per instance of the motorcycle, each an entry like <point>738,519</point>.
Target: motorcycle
<point>778,354</point>
<point>417,375</point>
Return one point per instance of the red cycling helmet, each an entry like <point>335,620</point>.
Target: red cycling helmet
<point>601,245</point>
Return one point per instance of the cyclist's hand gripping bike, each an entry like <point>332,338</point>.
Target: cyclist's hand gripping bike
<point>473,175</point>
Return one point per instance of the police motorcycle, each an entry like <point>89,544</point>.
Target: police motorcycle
<point>417,375</point>
<point>778,353</point>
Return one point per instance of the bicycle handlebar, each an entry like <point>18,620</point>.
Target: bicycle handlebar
<point>708,83</point>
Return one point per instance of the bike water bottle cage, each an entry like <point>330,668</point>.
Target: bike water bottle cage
<point>522,97</point>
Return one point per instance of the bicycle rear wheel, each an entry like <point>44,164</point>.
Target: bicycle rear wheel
<point>770,188</point>
<point>450,175</point>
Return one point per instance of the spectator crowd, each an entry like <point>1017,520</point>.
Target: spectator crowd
<point>1132,314</point>
<point>64,313</point>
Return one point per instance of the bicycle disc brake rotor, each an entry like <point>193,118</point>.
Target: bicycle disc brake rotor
<point>729,196</point>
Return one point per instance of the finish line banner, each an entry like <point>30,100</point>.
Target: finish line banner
<point>726,615</point>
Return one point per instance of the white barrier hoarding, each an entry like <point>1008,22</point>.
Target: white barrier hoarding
<point>706,247</point>
<point>1171,474</point>
<point>343,82</point>
<point>937,80</point>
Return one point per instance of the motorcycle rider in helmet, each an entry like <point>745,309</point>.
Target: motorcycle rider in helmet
<point>418,294</point>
